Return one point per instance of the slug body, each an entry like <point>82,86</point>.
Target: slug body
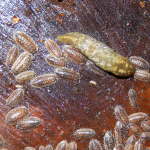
<point>102,55</point>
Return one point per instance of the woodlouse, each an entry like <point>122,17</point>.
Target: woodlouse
<point>25,41</point>
<point>22,63</point>
<point>53,48</point>
<point>72,146</point>
<point>132,98</point>
<point>30,122</point>
<point>142,75</point>
<point>67,73</point>
<point>119,147</point>
<point>15,97</point>
<point>44,80</point>
<point>145,125</point>
<point>139,145</point>
<point>3,148</point>
<point>41,147</point>
<point>2,141</point>
<point>129,145</point>
<point>109,141</point>
<point>135,129</point>
<point>120,133</point>
<point>100,53</point>
<point>145,136</point>
<point>29,148</point>
<point>70,53</point>
<point>54,61</point>
<point>84,133</point>
<point>62,145</point>
<point>137,117</point>
<point>12,55</point>
<point>49,147</point>
<point>139,62</point>
<point>121,114</point>
<point>25,76</point>
<point>95,144</point>
<point>16,114</point>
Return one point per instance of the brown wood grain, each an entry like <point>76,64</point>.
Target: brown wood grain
<point>66,106</point>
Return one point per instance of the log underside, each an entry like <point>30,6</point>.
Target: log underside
<point>66,106</point>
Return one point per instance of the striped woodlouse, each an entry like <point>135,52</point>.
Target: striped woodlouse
<point>22,63</point>
<point>16,114</point>
<point>12,55</point>
<point>84,133</point>
<point>25,41</point>
<point>28,123</point>
<point>15,97</point>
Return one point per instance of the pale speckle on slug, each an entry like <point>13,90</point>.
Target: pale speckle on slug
<point>102,55</point>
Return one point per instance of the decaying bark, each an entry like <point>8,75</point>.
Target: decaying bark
<point>65,106</point>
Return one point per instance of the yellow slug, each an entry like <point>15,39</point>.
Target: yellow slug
<point>98,52</point>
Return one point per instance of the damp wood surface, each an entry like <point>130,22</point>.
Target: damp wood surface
<point>69,105</point>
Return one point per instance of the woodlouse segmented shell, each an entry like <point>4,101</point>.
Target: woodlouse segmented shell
<point>132,97</point>
<point>109,142</point>
<point>145,125</point>
<point>41,147</point>
<point>142,75</point>
<point>73,55</point>
<point>29,148</point>
<point>72,146</point>
<point>62,145</point>
<point>3,148</point>
<point>139,62</point>
<point>25,41</point>
<point>84,133</point>
<point>98,52</point>
<point>22,63</point>
<point>121,114</point>
<point>95,144</point>
<point>120,132</point>
<point>135,128</point>
<point>139,145</point>
<point>28,123</point>
<point>15,114</point>
<point>43,80</point>
<point>137,117</point>
<point>53,48</point>
<point>2,141</point>
<point>66,73</point>
<point>49,147</point>
<point>145,136</point>
<point>54,61</point>
<point>12,55</point>
<point>119,147</point>
<point>25,76</point>
<point>15,97</point>
<point>130,143</point>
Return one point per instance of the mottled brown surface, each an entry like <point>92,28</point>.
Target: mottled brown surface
<point>122,24</point>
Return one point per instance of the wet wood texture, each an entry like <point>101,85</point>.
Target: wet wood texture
<point>66,106</point>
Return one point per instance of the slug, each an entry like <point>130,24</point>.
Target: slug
<point>98,52</point>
